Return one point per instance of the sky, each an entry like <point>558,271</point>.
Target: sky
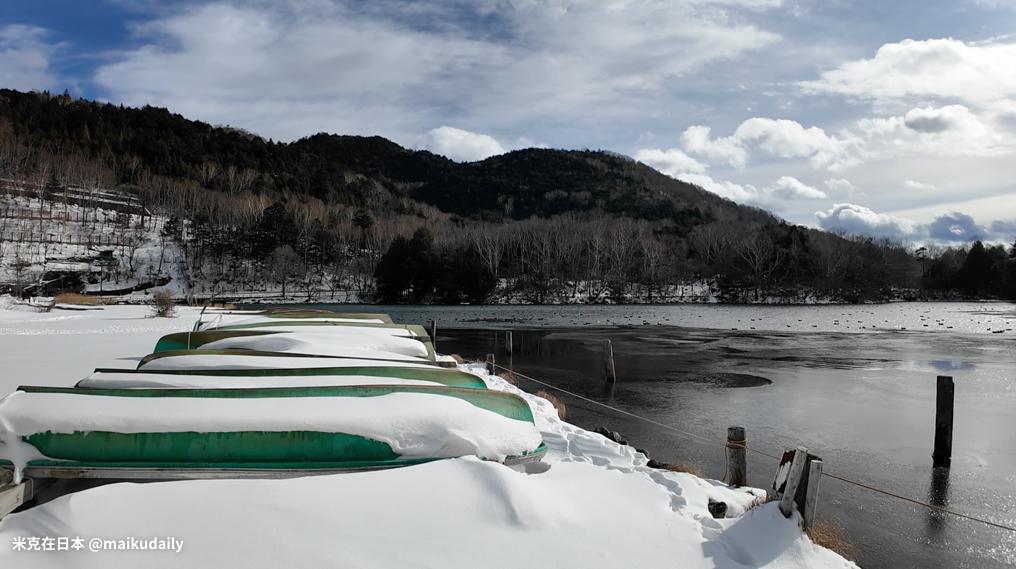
<point>893,119</point>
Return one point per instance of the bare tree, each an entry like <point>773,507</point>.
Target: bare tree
<point>209,170</point>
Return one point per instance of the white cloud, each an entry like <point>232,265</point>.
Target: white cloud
<point>461,145</point>
<point>852,218</point>
<point>727,149</point>
<point>947,227</point>
<point>841,187</point>
<point>979,74</point>
<point>952,130</point>
<point>672,162</point>
<point>910,184</point>
<point>286,69</point>
<point>736,192</point>
<point>957,227</point>
<point>24,58</point>
<point>788,187</point>
<point>779,137</point>
<point>932,121</point>
<point>788,139</point>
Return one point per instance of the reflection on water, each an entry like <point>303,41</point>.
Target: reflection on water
<point>938,495</point>
<point>946,365</point>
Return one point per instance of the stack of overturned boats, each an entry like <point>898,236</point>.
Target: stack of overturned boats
<point>269,394</point>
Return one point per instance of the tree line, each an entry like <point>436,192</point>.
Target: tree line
<point>612,230</point>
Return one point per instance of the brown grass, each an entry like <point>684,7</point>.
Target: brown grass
<point>510,378</point>
<point>75,298</point>
<point>458,359</point>
<point>562,411</point>
<point>832,536</point>
<point>684,467</point>
<point>759,501</point>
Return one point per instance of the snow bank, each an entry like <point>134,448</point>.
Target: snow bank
<point>415,425</point>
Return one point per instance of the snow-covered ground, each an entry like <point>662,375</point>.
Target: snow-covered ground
<point>593,503</point>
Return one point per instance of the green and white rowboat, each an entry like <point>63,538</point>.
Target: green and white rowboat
<point>161,433</point>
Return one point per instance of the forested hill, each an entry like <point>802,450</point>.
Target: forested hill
<point>347,169</point>
<point>364,218</point>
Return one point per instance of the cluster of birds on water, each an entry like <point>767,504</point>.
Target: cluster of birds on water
<point>925,321</point>
<point>990,317</point>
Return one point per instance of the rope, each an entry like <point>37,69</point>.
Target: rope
<point>744,444</point>
<point>918,502</point>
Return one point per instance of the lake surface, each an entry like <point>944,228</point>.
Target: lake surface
<point>854,384</point>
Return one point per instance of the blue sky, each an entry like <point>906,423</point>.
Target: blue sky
<point>889,118</point>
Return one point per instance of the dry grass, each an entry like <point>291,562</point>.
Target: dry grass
<point>458,359</point>
<point>163,304</point>
<point>75,298</point>
<point>684,467</point>
<point>759,501</point>
<point>510,378</point>
<point>562,411</point>
<point>832,536</point>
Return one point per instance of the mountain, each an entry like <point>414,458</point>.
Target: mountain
<point>346,169</point>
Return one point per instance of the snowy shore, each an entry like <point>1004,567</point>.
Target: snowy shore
<point>594,503</point>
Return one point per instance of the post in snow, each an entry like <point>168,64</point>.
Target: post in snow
<point>944,400</point>
<point>737,457</point>
<point>433,334</point>
<point>508,342</point>
<point>490,364</point>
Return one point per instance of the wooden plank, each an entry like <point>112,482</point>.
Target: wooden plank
<point>12,496</point>
<point>811,495</point>
<point>793,480</point>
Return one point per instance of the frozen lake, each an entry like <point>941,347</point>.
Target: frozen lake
<point>854,384</point>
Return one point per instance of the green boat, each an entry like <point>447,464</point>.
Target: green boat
<point>194,340</point>
<point>278,377</point>
<point>88,450</point>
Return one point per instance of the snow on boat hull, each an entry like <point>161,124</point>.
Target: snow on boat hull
<point>255,359</point>
<point>399,340</point>
<point>344,427</point>
<point>106,378</point>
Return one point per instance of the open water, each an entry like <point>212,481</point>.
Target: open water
<point>853,384</point>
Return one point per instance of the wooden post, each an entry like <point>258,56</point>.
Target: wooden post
<point>433,334</point>
<point>737,457</point>
<point>793,480</point>
<point>508,342</point>
<point>942,455</point>
<point>608,361</point>
<point>811,494</point>
<point>490,364</point>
